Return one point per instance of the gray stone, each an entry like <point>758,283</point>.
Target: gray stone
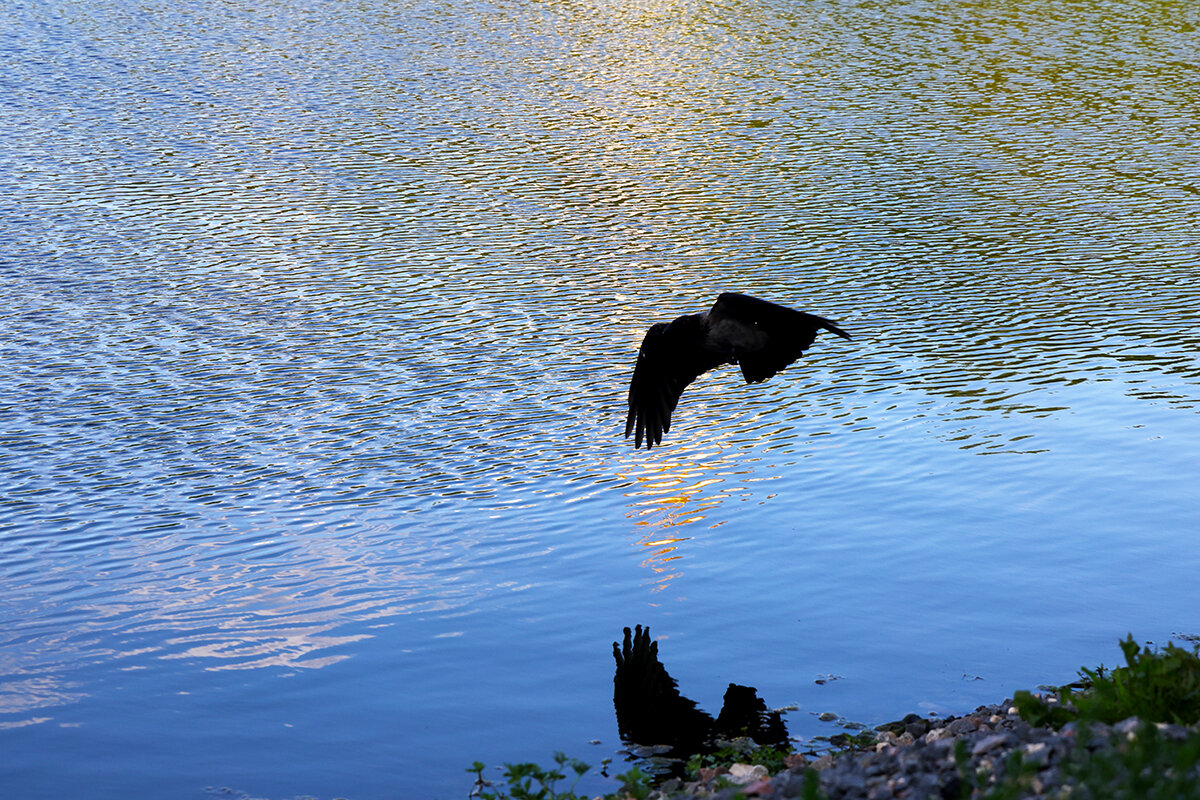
<point>989,743</point>
<point>792,785</point>
<point>746,773</point>
<point>918,728</point>
<point>962,725</point>
<point>1036,752</point>
<point>937,734</point>
<point>880,792</point>
<point>1170,731</point>
<point>1127,726</point>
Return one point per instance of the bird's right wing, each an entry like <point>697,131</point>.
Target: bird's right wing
<point>669,359</point>
<point>765,337</point>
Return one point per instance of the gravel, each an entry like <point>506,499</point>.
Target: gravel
<point>915,758</point>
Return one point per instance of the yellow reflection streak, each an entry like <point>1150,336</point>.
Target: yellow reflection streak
<point>672,493</point>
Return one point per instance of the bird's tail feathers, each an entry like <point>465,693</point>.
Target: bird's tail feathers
<point>829,326</point>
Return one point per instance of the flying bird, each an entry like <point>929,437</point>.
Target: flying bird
<point>759,336</point>
<point>651,711</point>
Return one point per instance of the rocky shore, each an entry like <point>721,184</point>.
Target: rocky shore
<point>922,758</point>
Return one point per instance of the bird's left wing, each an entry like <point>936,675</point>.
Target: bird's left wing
<point>670,358</point>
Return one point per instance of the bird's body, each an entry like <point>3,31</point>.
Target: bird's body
<point>759,336</point>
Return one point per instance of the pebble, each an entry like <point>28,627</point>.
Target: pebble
<point>746,773</point>
<point>1036,752</point>
<point>963,725</point>
<point>989,743</point>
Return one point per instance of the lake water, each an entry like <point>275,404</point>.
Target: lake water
<point>317,321</point>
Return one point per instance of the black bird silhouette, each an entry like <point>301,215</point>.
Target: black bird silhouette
<point>651,711</point>
<point>758,335</point>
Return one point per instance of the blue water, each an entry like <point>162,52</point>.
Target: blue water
<point>317,322</point>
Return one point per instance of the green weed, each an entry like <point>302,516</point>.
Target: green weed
<point>770,757</point>
<point>529,781</point>
<point>1154,686</point>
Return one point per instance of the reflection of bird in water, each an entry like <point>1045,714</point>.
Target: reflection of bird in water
<point>759,336</point>
<point>651,711</point>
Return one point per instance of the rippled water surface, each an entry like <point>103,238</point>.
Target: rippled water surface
<point>317,320</point>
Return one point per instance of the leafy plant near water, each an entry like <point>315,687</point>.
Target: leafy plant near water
<point>1154,686</point>
<point>845,742</point>
<point>770,757</point>
<point>1143,764</point>
<point>529,781</point>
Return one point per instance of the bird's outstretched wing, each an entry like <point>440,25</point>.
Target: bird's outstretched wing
<point>764,337</point>
<point>669,359</point>
<point>650,709</point>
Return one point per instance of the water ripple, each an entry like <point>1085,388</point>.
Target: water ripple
<point>317,318</point>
